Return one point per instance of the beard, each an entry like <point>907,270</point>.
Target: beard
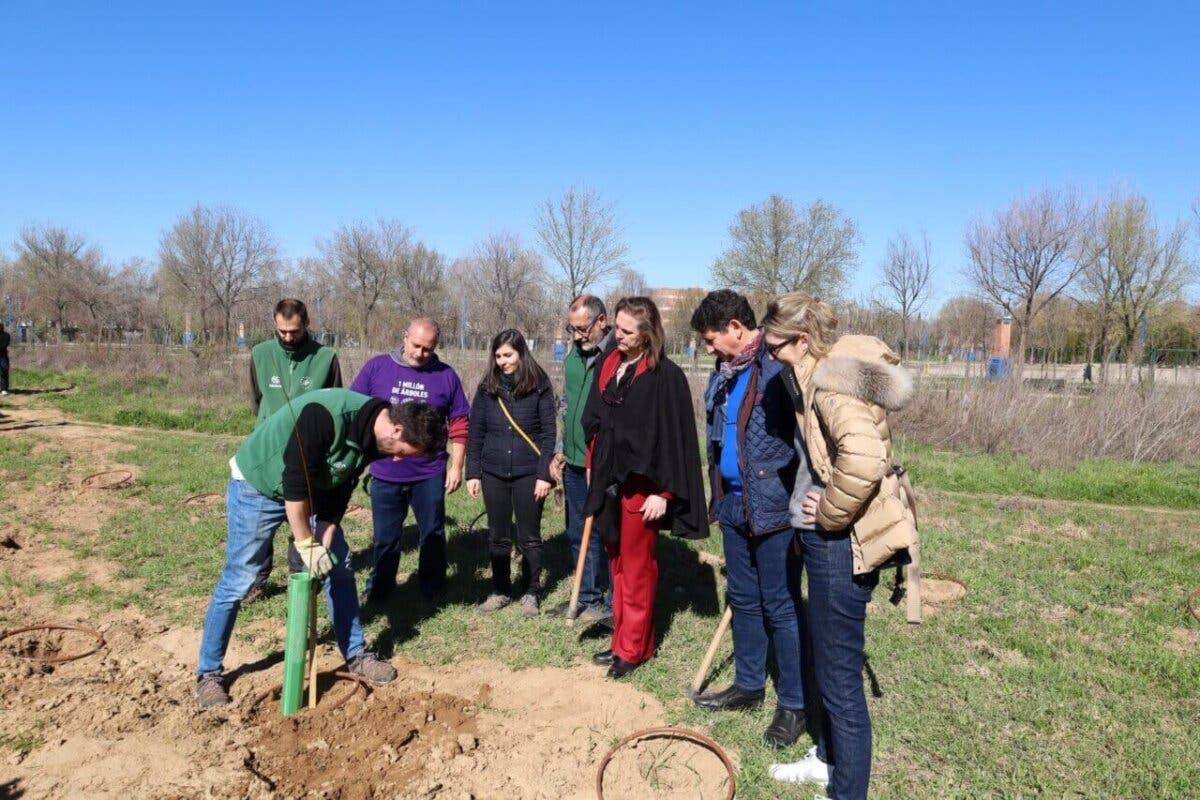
<point>292,347</point>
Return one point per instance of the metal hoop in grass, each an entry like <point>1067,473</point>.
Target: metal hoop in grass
<point>53,627</point>
<point>1192,604</point>
<point>93,481</point>
<point>676,733</point>
<point>202,501</point>
<point>359,680</point>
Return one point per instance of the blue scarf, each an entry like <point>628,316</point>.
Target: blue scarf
<point>727,372</point>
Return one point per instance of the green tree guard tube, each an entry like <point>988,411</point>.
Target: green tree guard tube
<point>295,647</point>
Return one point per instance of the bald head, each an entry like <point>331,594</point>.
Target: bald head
<point>421,341</point>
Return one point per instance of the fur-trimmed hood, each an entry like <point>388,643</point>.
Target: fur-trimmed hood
<point>866,368</point>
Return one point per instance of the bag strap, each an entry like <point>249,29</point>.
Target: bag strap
<point>536,451</point>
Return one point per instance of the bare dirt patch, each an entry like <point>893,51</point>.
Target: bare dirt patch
<point>938,594</point>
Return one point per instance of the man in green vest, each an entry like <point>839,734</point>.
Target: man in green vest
<point>592,338</point>
<point>282,368</point>
<point>301,465</point>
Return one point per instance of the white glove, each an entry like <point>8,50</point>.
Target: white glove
<point>316,558</point>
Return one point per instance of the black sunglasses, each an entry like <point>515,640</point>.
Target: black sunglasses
<point>773,349</point>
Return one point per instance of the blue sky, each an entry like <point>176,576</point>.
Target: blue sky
<point>462,118</point>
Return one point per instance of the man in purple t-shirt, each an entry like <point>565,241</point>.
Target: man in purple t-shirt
<point>414,372</point>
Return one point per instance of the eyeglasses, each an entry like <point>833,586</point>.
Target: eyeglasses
<point>581,329</point>
<point>773,349</point>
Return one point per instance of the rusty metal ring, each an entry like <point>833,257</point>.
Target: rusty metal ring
<point>90,481</point>
<point>667,732</point>
<point>198,499</point>
<point>361,682</point>
<point>1192,605</point>
<point>53,627</point>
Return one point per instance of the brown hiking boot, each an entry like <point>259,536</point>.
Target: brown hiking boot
<point>495,602</point>
<point>372,667</point>
<point>210,690</point>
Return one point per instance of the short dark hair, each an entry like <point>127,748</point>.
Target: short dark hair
<point>290,307</point>
<point>719,308</point>
<point>424,426</point>
<point>593,304</point>
<point>530,376</point>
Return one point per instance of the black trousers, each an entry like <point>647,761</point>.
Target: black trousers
<point>502,497</point>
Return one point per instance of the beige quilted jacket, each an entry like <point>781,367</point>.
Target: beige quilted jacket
<point>847,395</point>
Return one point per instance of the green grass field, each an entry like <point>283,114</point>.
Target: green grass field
<point>1070,669</point>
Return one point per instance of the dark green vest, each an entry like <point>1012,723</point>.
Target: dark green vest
<point>260,458</point>
<point>577,382</point>
<point>282,374</point>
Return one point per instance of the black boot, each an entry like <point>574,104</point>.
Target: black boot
<point>620,668</point>
<point>785,728</point>
<point>604,658</point>
<point>730,699</point>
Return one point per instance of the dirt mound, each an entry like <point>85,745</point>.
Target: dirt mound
<point>386,745</point>
<point>937,594</point>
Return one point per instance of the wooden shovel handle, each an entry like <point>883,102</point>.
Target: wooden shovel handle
<point>726,618</point>
<point>583,549</point>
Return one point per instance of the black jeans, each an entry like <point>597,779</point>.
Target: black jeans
<point>4,373</point>
<point>502,497</point>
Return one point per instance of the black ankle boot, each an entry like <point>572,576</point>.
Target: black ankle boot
<point>620,668</point>
<point>785,728</point>
<point>604,658</point>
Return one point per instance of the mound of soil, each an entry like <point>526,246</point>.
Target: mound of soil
<point>386,745</point>
<point>937,594</point>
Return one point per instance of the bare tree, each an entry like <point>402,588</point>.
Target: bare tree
<point>134,297</point>
<point>506,283</point>
<point>629,283</point>
<point>778,248</point>
<point>220,258</point>
<point>1147,266</point>
<point>965,323</point>
<point>1028,255</point>
<point>420,285</point>
<point>95,288</point>
<point>366,262</point>
<point>906,274</point>
<point>51,258</point>
<point>580,233</point>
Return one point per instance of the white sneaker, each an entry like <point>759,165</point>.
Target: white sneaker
<point>809,769</point>
<point>4,392</point>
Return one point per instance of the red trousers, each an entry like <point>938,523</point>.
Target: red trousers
<point>634,566</point>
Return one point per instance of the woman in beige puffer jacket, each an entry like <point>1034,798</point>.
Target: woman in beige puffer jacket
<point>851,517</point>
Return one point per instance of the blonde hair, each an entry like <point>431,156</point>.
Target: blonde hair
<point>792,314</point>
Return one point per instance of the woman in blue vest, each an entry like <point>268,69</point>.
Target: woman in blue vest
<point>510,443</point>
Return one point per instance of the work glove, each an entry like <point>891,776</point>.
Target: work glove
<point>317,560</point>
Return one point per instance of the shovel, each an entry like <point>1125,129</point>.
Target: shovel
<point>702,672</point>
<point>573,608</point>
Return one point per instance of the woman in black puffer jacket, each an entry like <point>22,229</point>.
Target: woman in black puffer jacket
<point>508,457</point>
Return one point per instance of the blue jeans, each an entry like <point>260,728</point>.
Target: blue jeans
<point>389,506</point>
<point>763,583</point>
<point>595,564</point>
<point>837,613</point>
<point>253,519</point>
